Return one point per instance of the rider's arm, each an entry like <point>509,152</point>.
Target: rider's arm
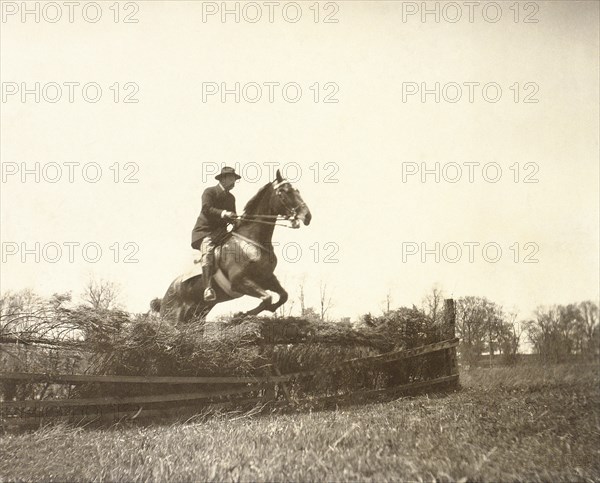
<point>230,216</point>
<point>208,203</point>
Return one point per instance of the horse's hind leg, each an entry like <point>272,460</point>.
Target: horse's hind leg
<point>250,287</point>
<point>274,285</point>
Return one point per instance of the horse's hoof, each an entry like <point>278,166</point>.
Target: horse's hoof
<point>209,295</point>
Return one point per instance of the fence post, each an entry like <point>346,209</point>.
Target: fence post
<point>450,333</point>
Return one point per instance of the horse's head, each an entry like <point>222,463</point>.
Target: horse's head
<point>288,202</point>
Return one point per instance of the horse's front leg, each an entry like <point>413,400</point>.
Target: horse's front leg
<point>274,285</point>
<point>248,286</point>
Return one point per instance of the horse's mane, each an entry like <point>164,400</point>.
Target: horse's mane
<point>256,199</point>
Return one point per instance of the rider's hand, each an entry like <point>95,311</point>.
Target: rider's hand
<point>229,215</point>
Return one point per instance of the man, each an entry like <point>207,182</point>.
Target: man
<point>218,208</point>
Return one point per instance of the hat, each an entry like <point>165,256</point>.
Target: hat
<point>227,170</point>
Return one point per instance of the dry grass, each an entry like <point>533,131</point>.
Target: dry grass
<point>525,423</point>
<point>149,345</point>
<point>239,346</point>
<point>145,344</point>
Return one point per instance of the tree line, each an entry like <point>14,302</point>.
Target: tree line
<point>555,333</point>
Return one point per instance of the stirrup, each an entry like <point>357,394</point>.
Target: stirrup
<point>209,294</point>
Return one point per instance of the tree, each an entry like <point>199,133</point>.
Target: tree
<point>433,304</point>
<point>511,337</point>
<point>560,331</point>
<point>25,316</point>
<point>301,298</point>
<point>495,327</point>
<point>470,318</point>
<point>479,324</point>
<point>21,312</point>
<point>589,327</point>
<point>387,302</point>
<point>325,299</point>
<point>569,324</point>
<point>101,294</point>
<point>545,334</point>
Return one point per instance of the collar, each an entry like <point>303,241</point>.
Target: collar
<point>222,188</point>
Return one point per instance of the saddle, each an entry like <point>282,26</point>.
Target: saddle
<point>218,278</point>
<point>250,249</point>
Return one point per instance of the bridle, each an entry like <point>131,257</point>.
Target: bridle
<point>291,211</point>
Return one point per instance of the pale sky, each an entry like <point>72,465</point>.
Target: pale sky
<point>370,137</point>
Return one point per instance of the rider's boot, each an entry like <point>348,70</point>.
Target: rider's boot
<point>207,273</point>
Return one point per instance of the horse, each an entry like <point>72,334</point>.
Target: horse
<point>245,261</point>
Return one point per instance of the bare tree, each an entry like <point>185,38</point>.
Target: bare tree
<point>495,327</point>
<point>479,326</point>
<point>511,336</point>
<point>325,299</point>
<point>387,302</point>
<point>589,326</point>
<point>101,294</point>
<point>433,304</point>
<point>20,312</point>
<point>286,309</point>
<point>560,331</point>
<point>25,316</point>
<point>301,298</point>
<point>546,333</point>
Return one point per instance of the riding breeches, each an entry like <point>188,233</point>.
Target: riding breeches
<point>207,249</point>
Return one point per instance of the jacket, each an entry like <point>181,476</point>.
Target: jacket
<point>215,200</point>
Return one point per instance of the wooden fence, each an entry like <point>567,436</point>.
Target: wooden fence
<point>271,388</point>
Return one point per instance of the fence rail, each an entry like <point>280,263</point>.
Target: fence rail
<point>113,379</point>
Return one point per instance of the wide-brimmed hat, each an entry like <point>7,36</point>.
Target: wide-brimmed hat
<point>227,170</point>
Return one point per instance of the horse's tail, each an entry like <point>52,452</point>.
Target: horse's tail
<point>155,304</point>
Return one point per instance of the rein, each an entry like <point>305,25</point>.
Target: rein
<point>250,219</point>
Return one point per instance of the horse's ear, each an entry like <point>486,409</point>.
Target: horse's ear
<point>278,176</point>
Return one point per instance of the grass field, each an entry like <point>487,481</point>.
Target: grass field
<point>527,423</point>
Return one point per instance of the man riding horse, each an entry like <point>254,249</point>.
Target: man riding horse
<point>218,209</point>
<point>247,260</point>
